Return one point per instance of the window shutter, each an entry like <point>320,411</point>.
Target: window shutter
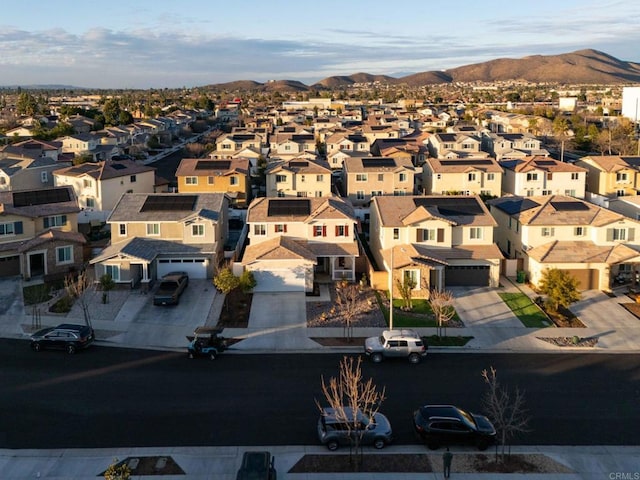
<point>346,230</point>
<point>324,230</point>
<point>609,234</point>
<point>419,235</point>
<point>46,222</point>
<point>285,228</point>
<point>337,230</point>
<point>17,226</point>
<point>440,235</point>
<point>632,234</point>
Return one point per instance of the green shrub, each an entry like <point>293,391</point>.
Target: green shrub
<point>63,305</point>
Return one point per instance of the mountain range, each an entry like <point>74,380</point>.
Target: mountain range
<point>579,67</point>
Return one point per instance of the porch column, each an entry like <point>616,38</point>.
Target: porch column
<point>145,272</point>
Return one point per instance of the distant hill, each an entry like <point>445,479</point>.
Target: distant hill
<point>580,67</point>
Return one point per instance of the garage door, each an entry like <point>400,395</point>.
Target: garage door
<point>587,278</point>
<point>9,266</point>
<point>195,267</point>
<point>279,280</point>
<point>466,276</point>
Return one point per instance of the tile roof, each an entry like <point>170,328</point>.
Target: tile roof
<point>613,163</point>
<point>581,252</point>
<point>52,235</point>
<point>195,167</point>
<point>278,248</point>
<point>104,170</point>
<point>148,249</point>
<point>41,210</point>
<point>129,208</point>
<point>539,162</point>
<point>320,208</point>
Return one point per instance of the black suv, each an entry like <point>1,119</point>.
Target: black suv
<point>448,425</point>
<point>66,337</point>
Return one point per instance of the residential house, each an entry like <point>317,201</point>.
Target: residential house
<point>512,145</point>
<point>347,141</point>
<point>296,241</point>
<point>366,177</point>
<point>375,132</point>
<point>81,124</point>
<point>435,241</point>
<point>228,144</point>
<point>612,176</point>
<point>466,176</point>
<point>455,145</point>
<point>196,175</point>
<point>154,234</point>
<point>39,233</point>
<point>410,146</point>
<point>99,186</point>
<point>288,146</point>
<point>554,231</point>
<point>538,175</point>
<point>336,160</point>
<point>88,144</point>
<point>26,173</point>
<point>298,177</point>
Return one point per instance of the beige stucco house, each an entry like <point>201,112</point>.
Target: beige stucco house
<point>367,177</point>
<point>554,231</point>
<point>298,177</point>
<point>154,234</point>
<point>439,241</point>
<point>612,175</point>
<point>468,176</point>
<point>539,175</point>
<point>294,240</point>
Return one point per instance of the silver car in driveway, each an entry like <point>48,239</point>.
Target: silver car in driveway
<point>335,430</point>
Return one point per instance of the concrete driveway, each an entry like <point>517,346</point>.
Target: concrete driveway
<point>483,307</point>
<point>278,321</point>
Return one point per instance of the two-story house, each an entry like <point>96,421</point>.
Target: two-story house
<point>455,145</point>
<point>367,177</point>
<point>99,186</point>
<point>39,233</point>
<point>196,175</point>
<point>512,145</point>
<point>228,144</point>
<point>612,175</point>
<point>298,178</point>
<point>154,234</point>
<point>591,243</point>
<point>346,141</point>
<point>288,146</point>
<point>295,241</point>
<point>437,241</point>
<point>466,176</point>
<point>538,175</point>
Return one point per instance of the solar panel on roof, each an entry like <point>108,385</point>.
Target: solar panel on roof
<point>279,207</point>
<point>465,162</point>
<point>451,206</point>
<point>570,206</point>
<point>166,203</point>
<point>213,165</point>
<point>41,197</point>
<point>378,162</point>
<point>545,163</point>
<point>515,206</point>
<point>298,164</point>
<point>118,166</point>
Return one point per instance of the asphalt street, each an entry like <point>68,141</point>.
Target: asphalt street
<point>115,397</point>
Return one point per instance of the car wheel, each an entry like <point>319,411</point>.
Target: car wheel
<point>332,445</point>
<point>36,347</point>
<point>379,443</point>
<point>376,357</point>
<point>212,356</point>
<point>71,349</point>
<point>414,358</point>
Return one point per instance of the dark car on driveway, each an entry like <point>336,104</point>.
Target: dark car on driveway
<point>171,287</point>
<point>447,425</point>
<point>66,337</point>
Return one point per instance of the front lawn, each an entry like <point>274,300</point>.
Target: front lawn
<point>421,314</point>
<point>527,312</point>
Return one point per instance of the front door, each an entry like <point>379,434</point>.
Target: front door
<point>36,264</point>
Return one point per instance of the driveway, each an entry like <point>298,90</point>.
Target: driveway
<point>278,321</point>
<point>483,307</point>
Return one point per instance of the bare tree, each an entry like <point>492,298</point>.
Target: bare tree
<point>442,306</point>
<point>348,303</point>
<point>352,398</point>
<point>405,287</point>
<point>76,288</point>
<point>505,409</point>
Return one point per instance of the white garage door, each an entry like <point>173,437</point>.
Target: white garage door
<point>195,267</point>
<point>279,280</point>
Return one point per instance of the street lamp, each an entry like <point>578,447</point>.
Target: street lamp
<point>391,290</point>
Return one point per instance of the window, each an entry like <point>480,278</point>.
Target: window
<point>280,193</point>
<point>412,276</point>
<point>491,176</point>
<point>548,231</point>
<point>619,234</point>
<point>153,229</point>
<point>233,180</point>
<point>426,235</point>
<point>439,176</point>
<point>281,178</point>
<point>529,193</point>
<point>319,178</point>
<point>570,193</point>
<point>90,202</point>
<point>376,193</point>
<point>620,193</point>
<point>361,177</point>
<point>381,177</point>
<point>549,176</point>
<point>7,229</point>
<point>403,177</point>
<point>191,180</point>
<point>318,193</point>
<point>475,233</point>
<point>113,271</point>
<point>546,192</point>
<point>621,177</point>
<point>574,176</point>
<point>360,195</point>
<point>281,228</point>
<point>301,194</point>
<point>471,177</point>
<point>580,231</point>
<point>259,229</point>
<point>44,177</point>
<point>197,230</point>
<point>122,229</point>
<point>396,233</point>
<point>64,254</point>
<point>55,221</point>
<point>211,180</point>
<point>319,231</point>
<point>342,230</point>
<point>532,177</point>
<point>302,178</point>
<point>132,179</point>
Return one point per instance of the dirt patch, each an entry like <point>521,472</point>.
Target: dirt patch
<point>424,463</point>
<point>564,318</point>
<point>570,341</point>
<point>633,308</point>
<point>236,310</point>
<point>327,313</point>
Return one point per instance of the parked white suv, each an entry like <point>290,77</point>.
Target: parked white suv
<point>395,343</point>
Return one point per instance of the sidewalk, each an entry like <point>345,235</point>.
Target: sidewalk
<point>222,463</point>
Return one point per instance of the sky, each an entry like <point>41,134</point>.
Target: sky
<point>145,44</point>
